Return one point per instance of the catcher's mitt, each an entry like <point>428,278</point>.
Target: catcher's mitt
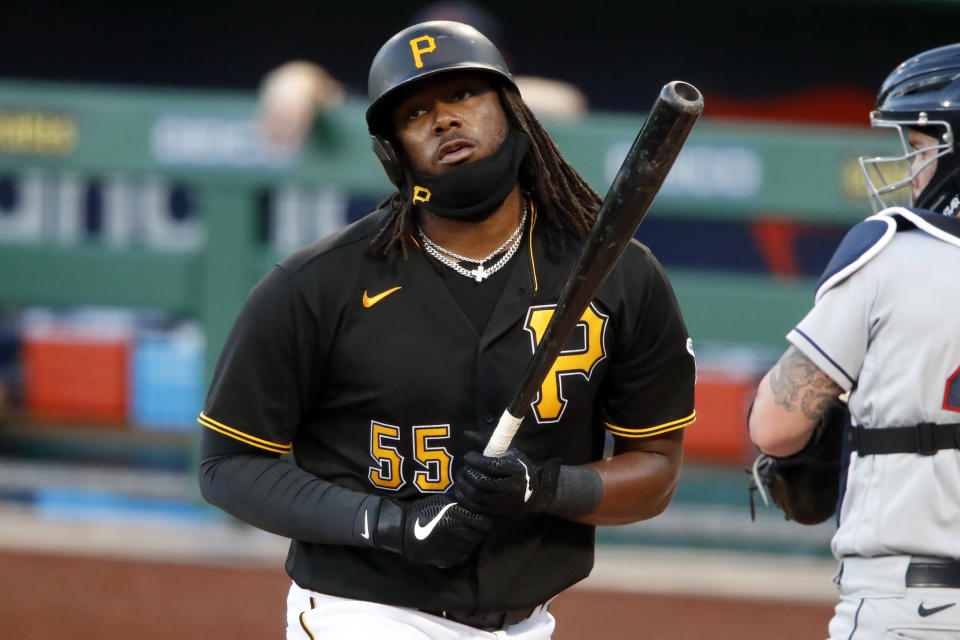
<point>805,485</point>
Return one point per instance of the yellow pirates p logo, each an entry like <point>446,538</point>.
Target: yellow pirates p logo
<point>418,50</point>
<point>577,360</point>
<point>421,194</point>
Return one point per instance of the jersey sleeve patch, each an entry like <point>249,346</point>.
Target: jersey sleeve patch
<point>246,438</point>
<point>646,432</point>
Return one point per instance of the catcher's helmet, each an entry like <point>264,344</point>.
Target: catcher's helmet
<point>418,52</point>
<point>922,93</point>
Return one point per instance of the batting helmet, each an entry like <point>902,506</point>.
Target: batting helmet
<point>922,93</point>
<point>419,52</point>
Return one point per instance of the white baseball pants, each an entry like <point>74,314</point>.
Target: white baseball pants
<point>876,604</point>
<point>316,616</point>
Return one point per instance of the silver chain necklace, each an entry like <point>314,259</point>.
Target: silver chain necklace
<point>479,273</point>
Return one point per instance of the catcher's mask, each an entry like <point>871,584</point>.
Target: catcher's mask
<point>421,51</point>
<point>922,93</point>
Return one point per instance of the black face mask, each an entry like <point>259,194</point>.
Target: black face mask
<point>471,192</point>
<point>942,193</point>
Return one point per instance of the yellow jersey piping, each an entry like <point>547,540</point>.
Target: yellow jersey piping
<point>651,431</point>
<point>533,265</point>
<point>303,623</point>
<point>246,438</point>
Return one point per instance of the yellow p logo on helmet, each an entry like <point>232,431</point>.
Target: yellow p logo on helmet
<point>421,194</point>
<point>418,51</point>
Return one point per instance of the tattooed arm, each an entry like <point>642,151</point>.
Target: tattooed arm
<point>790,400</point>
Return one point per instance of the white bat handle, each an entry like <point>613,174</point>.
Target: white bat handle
<point>503,435</point>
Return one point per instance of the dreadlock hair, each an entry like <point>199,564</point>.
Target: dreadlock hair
<point>565,201</point>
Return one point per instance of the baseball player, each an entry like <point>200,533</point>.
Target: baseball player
<point>381,357</point>
<point>884,328</point>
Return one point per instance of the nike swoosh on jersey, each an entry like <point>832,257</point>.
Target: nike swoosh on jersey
<point>422,532</point>
<point>924,612</point>
<point>366,528</point>
<point>528,491</point>
<point>369,301</point>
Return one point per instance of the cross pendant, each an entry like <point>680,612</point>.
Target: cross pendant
<point>478,273</point>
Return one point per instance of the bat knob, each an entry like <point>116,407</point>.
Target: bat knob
<point>683,96</point>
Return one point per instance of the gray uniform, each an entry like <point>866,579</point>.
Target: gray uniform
<point>886,328</point>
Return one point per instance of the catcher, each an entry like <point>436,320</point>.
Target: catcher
<point>884,328</point>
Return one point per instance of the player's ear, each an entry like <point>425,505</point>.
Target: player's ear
<point>389,157</point>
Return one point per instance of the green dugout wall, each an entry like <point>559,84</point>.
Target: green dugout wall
<point>140,142</point>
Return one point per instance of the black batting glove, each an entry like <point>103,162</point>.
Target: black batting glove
<point>506,486</point>
<point>434,530</point>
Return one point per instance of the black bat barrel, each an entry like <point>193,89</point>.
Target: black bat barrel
<point>657,145</point>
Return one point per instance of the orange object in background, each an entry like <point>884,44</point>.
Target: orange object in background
<point>76,374</point>
<point>720,432</point>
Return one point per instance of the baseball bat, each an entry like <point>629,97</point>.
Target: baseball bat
<point>653,152</point>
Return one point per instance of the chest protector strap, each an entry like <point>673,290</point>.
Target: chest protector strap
<point>926,439</point>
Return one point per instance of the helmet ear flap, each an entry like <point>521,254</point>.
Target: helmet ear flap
<point>389,158</point>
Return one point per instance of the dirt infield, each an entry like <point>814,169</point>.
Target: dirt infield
<point>87,598</point>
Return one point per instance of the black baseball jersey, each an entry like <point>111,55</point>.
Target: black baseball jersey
<point>373,376</point>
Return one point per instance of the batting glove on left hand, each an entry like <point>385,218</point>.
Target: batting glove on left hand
<point>506,486</point>
<point>432,530</point>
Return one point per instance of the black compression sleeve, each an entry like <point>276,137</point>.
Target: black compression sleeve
<point>579,492</point>
<point>275,495</point>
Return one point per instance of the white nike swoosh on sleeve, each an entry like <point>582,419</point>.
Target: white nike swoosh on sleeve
<point>421,532</point>
<point>528,491</point>
<point>366,528</point>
